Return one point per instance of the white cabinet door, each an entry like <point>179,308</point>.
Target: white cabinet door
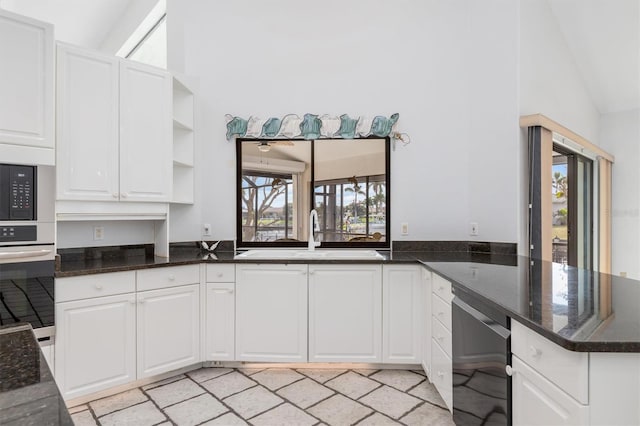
<point>402,318</point>
<point>220,322</point>
<point>442,374</point>
<point>26,84</point>
<point>146,137</point>
<point>426,315</point>
<point>271,313</point>
<point>345,313</point>
<point>95,344</point>
<point>168,329</point>
<point>537,401</point>
<point>87,125</point>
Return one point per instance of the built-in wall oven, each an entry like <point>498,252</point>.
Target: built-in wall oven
<point>481,352</point>
<point>27,248</point>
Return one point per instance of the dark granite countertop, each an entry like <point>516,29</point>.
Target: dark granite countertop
<point>28,393</point>
<point>578,309</point>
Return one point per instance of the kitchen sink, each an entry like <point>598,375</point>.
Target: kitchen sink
<point>315,254</point>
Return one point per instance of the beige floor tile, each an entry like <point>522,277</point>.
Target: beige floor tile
<point>253,401</point>
<point>365,372</point>
<point>83,418</point>
<point>305,393</point>
<point>174,392</point>
<point>377,420</point>
<point>390,401</point>
<point>145,414</point>
<point>399,379</point>
<point>428,392</point>
<point>208,373</point>
<point>275,378</point>
<point>196,410</point>
<point>320,375</point>
<point>228,419</point>
<point>339,410</point>
<point>163,382</point>
<point>353,385</point>
<point>428,414</point>
<point>284,415</point>
<point>250,371</point>
<point>117,402</point>
<point>420,372</point>
<point>78,408</point>
<point>228,384</point>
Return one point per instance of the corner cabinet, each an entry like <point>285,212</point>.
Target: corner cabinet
<point>114,137</point>
<point>345,313</point>
<point>271,313</point>
<point>26,90</point>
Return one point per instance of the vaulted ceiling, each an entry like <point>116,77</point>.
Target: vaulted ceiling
<point>602,35</point>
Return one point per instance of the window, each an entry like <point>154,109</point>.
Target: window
<point>345,180</point>
<point>148,42</point>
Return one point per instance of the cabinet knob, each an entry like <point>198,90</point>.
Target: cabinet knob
<point>172,277</point>
<point>98,286</point>
<point>114,195</point>
<point>312,272</point>
<point>132,301</point>
<point>219,274</point>
<point>441,374</point>
<point>440,338</point>
<point>441,288</point>
<point>124,195</point>
<point>141,301</point>
<point>440,314</point>
<point>535,352</point>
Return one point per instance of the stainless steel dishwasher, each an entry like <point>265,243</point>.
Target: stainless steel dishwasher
<point>481,352</point>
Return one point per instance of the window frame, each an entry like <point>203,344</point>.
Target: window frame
<point>381,245</point>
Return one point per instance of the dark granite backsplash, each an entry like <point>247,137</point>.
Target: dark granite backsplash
<point>510,249</point>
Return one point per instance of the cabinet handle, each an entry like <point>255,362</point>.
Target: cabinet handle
<point>172,277</point>
<point>509,370</point>
<point>535,352</point>
<point>98,286</point>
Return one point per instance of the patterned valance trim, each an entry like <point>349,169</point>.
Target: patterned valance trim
<point>311,126</point>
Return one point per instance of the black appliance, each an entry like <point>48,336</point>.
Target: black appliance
<point>481,353</point>
<point>17,192</point>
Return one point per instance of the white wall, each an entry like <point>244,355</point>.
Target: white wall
<point>448,67</point>
<point>80,234</point>
<point>620,135</point>
<point>550,82</point>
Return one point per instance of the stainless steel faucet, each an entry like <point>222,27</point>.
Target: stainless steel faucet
<point>313,226</point>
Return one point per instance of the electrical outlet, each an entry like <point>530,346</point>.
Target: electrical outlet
<point>98,233</point>
<point>623,274</point>
<point>404,228</point>
<point>473,229</point>
<point>206,229</point>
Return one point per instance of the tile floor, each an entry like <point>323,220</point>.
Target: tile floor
<point>274,396</point>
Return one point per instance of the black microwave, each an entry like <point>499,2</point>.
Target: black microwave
<point>18,192</point>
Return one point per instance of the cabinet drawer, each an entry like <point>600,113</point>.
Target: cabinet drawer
<point>442,288</point>
<point>441,373</point>
<point>567,369</point>
<point>221,273</point>
<point>150,279</point>
<point>441,310</point>
<point>89,286</point>
<point>441,335</point>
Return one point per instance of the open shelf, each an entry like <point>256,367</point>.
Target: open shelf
<point>183,141</point>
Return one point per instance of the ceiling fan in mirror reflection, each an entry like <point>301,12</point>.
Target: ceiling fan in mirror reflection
<point>311,126</point>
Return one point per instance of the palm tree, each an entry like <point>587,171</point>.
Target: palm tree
<point>356,190</point>
<point>560,185</point>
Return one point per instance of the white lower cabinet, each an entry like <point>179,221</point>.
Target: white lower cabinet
<point>441,350</point>
<point>537,401</point>
<point>402,318</point>
<point>95,344</point>
<point>220,322</point>
<point>121,336</point>
<point>271,313</point>
<point>441,373</point>
<point>168,329</point>
<point>345,313</point>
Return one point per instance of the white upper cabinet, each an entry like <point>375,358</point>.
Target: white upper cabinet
<point>146,133</point>
<point>87,125</point>
<point>26,90</point>
<point>114,135</point>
